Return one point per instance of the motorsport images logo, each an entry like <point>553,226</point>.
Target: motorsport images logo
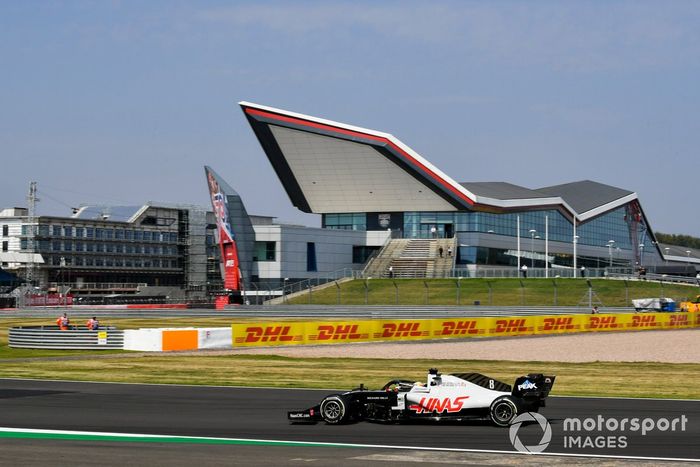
<point>530,417</point>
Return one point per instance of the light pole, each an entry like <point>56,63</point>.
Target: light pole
<point>610,245</point>
<point>575,266</point>
<point>532,247</point>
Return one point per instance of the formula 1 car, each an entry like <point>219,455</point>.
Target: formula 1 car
<point>464,396</point>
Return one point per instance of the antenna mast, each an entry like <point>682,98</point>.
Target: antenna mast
<point>31,232</point>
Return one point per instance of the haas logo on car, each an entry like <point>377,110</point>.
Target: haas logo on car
<point>268,334</point>
<point>457,328</point>
<point>401,330</point>
<point>438,405</point>
<point>558,324</point>
<point>510,325</point>
<point>604,322</point>
<point>339,332</point>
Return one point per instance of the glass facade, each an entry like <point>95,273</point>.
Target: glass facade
<point>352,221</point>
<point>105,247</point>
<point>624,226</point>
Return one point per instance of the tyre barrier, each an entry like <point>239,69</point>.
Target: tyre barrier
<point>51,337</point>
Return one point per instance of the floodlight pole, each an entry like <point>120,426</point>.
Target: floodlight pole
<point>546,246</point>
<point>575,240</point>
<point>517,228</point>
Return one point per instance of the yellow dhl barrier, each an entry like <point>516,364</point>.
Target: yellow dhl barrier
<point>333,332</point>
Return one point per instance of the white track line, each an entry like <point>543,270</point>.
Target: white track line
<point>128,436</point>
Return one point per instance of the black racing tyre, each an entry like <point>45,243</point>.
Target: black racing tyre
<point>334,410</point>
<point>503,410</point>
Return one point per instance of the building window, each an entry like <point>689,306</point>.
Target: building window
<point>109,234</point>
<point>138,235</point>
<point>360,254</point>
<point>311,257</point>
<point>119,234</point>
<point>5,230</point>
<point>99,233</point>
<point>56,245</point>
<point>23,244</point>
<point>90,247</point>
<point>5,246</point>
<point>67,231</point>
<point>79,232</point>
<point>90,232</point>
<point>56,230</point>
<point>264,251</point>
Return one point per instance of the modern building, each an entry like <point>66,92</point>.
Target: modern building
<point>361,180</point>
<point>103,249</point>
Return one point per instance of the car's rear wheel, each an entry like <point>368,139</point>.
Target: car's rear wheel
<point>503,410</point>
<point>334,410</point>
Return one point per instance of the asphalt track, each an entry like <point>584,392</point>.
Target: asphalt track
<point>260,414</point>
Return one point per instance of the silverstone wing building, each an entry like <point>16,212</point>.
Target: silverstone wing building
<point>368,181</point>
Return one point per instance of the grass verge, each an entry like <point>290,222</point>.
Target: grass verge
<point>592,379</point>
<point>497,292</point>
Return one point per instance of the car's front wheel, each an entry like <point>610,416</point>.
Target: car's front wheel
<point>503,410</point>
<point>334,410</point>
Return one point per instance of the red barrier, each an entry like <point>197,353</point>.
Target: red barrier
<point>156,306</point>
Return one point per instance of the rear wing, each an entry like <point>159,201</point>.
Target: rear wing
<point>533,386</point>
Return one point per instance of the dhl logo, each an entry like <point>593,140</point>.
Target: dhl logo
<point>458,328</point>
<point>339,332</point>
<point>510,325</point>
<point>679,320</point>
<point>643,321</point>
<point>268,334</point>
<point>401,330</point>
<point>557,324</point>
<point>604,322</point>
<point>437,405</point>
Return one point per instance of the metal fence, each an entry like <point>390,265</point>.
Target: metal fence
<point>51,337</point>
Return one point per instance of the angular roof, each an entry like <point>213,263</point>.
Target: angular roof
<point>332,167</point>
<point>502,190</point>
<point>586,195</point>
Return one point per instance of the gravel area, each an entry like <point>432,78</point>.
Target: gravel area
<point>682,346</point>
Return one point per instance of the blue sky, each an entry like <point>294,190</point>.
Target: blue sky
<point>123,102</point>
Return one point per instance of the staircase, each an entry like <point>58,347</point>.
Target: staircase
<point>414,258</point>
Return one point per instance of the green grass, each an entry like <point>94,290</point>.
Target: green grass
<point>497,292</point>
<point>596,379</point>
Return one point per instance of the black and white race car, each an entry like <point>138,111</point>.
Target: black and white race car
<point>463,396</point>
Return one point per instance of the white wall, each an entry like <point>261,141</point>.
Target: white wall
<point>333,249</point>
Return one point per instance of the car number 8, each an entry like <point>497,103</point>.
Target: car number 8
<point>492,385</point>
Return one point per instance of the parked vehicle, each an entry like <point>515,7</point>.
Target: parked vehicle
<point>654,304</point>
<point>692,306</point>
